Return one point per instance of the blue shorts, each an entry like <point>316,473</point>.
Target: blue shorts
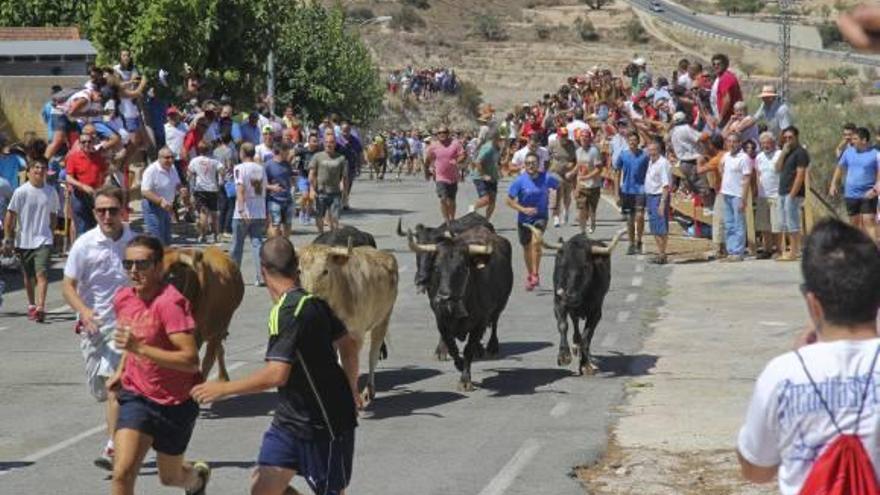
<point>658,220</point>
<point>790,212</point>
<point>280,213</point>
<point>104,131</point>
<point>325,464</point>
<point>328,201</point>
<point>170,426</point>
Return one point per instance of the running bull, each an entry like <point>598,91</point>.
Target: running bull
<point>360,285</point>
<point>468,288</point>
<point>193,272</point>
<point>340,237</point>
<point>581,278</point>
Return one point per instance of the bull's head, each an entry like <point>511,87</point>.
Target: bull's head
<point>321,272</point>
<point>574,265</point>
<point>453,260</point>
<point>183,270</point>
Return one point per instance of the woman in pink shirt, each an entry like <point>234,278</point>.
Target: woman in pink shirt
<point>159,366</point>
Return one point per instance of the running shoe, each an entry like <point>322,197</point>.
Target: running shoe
<point>39,315</point>
<point>556,221</point>
<point>32,313</point>
<point>204,473</point>
<point>105,460</point>
<point>529,283</point>
<point>631,250</point>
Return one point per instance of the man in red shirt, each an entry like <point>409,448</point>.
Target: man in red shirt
<point>725,90</point>
<point>86,171</point>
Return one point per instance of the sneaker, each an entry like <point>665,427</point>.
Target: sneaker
<point>203,471</point>
<point>39,315</point>
<point>639,248</point>
<point>529,286</point>
<point>631,250</point>
<point>556,221</point>
<point>536,280</point>
<point>32,313</point>
<point>105,460</point>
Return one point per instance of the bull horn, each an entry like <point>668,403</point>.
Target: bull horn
<point>419,248</point>
<point>606,251</point>
<point>400,227</point>
<point>476,249</point>
<point>540,236</point>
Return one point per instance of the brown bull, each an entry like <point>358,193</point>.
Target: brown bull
<point>376,159</point>
<point>212,283</point>
<point>360,285</point>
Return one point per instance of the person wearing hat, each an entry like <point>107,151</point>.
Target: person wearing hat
<point>774,112</point>
<point>264,149</point>
<point>641,78</point>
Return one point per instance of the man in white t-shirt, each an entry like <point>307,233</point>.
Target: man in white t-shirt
<point>767,219</point>
<point>159,185</point>
<point>534,146</point>
<point>204,177</point>
<point>92,275</point>
<point>249,219</point>
<point>175,132</point>
<point>735,181</point>
<point>791,417</point>
<point>28,228</point>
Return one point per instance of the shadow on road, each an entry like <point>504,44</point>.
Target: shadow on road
<point>510,349</point>
<point>14,281</point>
<point>359,212</point>
<point>521,381</point>
<point>389,379</point>
<point>9,466</point>
<point>150,468</point>
<point>409,403</point>
<point>618,364</point>
<point>243,406</point>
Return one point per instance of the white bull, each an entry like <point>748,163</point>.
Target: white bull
<point>360,285</point>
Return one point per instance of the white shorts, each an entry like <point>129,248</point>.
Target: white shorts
<point>767,215</point>
<point>101,358</point>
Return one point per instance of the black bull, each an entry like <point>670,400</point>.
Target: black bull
<point>341,236</point>
<point>468,288</point>
<point>581,278</point>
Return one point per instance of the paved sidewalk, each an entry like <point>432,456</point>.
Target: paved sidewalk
<point>718,327</point>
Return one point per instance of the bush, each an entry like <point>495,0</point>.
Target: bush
<point>830,34</point>
<point>359,13</point>
<point>635,32</point>
<point>542,31</point>
<point>419,4</point>
<point>490,28</point>
<point>407,19</point>
<point>585,29</point>
<point>470,96</point>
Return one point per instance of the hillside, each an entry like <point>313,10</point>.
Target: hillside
<point>541,48</point>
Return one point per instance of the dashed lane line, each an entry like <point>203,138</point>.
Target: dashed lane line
<point>637,281</point>
<point>502,481</point>
<point>631,297</point>
<point>560,409</point>
<point>640,268</point>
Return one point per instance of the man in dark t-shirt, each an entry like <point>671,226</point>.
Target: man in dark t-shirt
<point>279,197</point>
<point>792,168</point>
<point>312,433</point>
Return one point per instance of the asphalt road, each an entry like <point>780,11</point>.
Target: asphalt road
<point>522,431</point>
<point>680,15</point>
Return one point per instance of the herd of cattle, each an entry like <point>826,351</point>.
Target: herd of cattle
<point>464,266</point>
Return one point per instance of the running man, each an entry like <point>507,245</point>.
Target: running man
<point>443,157</point>
<point>313,431</point>
<point>92,275</point>
<point>484,173</point>
<point>529,195</point>
<point>159,368</point>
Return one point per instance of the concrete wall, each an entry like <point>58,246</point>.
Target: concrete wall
<point>22,98</point>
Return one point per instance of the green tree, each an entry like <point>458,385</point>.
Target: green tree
<point>18,13</point>
<point>323,68</point>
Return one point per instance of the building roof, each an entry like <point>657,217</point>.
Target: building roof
<point>39,33</point>
<point>51,47</point>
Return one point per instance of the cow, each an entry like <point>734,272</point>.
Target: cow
<point>377,158</point>
<point>468,288</point>
<point>581,278</point>
<point>340,237</point>
<point>193,272</point>
<point>360,285</point>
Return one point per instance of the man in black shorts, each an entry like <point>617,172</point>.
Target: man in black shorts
<point>313,431</point>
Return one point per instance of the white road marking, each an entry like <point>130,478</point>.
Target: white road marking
<point>640,257</point>
<point>36,456</point>
<point>622,316</point>
<point>610,202</point>
<point>640,268</point>
<point>560,409</point>
<point>3,328</point>
<point>502,481</point>
<point>232,367</point>
<point>61,309</point>
<point>765,323</point>
<point>631,297</point>
<point>637,281</point>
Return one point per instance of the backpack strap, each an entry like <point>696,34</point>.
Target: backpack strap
<point>822,399</point>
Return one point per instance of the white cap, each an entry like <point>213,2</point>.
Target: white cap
<point>639,61</point>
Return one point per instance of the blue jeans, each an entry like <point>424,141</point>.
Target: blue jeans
<point>157,222</point>
<point>255,229</point>
<point>734,225</point>
<point>83,212</point>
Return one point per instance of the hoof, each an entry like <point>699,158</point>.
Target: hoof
<point>588,369</point>
<point>492,350</point>
<point>466,386</point>
<point>576,351</point>
<point>564,358</point>
<point>441,353</point>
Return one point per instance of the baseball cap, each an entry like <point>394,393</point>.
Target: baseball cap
<point>268,129</point>
<point>172,110</point>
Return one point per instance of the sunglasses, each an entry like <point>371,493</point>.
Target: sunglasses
<point>140,265</point>
<point>113,210</point>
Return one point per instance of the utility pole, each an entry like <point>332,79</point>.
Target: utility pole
<point>270,81</point>
<point>786,14</point>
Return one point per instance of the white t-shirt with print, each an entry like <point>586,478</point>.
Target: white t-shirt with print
<point>786,424</point>
<point>736,166</point>
<point>33,207</point>
<point>768,177</point>
<point>253,177</point>
<point>206,171</point>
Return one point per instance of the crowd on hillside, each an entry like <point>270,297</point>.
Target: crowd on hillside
<point>422,84</point>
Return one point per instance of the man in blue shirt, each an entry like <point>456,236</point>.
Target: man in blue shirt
<point>11,164</point>
<point>250,129</point>
<point>859,163</point>
<point>529,195</point>
<point>632,164</point>
<point>279,200</point>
